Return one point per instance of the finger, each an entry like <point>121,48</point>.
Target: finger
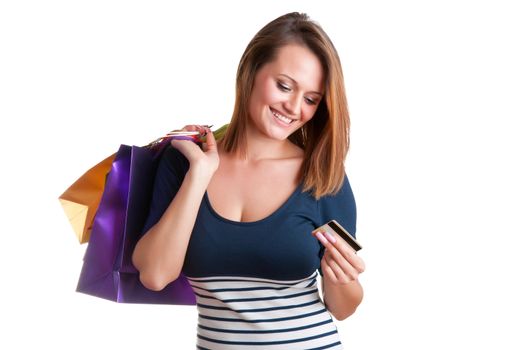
<point>343,274</point>
<point>201,129</point>
<point>349,268</point>
<point>191,128</point>
<point>345,251</point>
<point>210,144</point>
<point>322,239</point>
<point>356,262</point>
<point>329,242</point>
<point>186,147</point>
<point>328,272</point>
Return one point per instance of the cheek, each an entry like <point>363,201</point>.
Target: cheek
<point>308,112</point>
<point>269,93</point>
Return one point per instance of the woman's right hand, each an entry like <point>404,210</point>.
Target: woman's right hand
<point>203,161</point>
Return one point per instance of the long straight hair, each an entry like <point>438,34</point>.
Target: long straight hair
<point>325,138</point>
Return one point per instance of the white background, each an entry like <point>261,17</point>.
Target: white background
<point>438,101</point>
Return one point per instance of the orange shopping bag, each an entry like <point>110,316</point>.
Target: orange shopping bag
<point>81,199</point>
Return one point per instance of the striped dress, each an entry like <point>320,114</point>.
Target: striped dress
<point>252,313</point>
<point>256,282</point>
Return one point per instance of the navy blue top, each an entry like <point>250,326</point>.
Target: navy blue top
<point>256,282</point>
<point>278,247</point>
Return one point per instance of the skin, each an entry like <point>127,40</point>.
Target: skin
<point>341,267</point>
<point>238,187</point>
<point>292,86</point>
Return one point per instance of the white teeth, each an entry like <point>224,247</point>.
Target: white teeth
<point>282,118</point>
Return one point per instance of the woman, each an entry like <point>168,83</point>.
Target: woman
<point>238,217</point>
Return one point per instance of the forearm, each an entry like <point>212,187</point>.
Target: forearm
<point>160,253</point>
<point>342,299</point>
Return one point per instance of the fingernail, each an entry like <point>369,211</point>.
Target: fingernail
<point>321,237</point>
<point>330,237</point>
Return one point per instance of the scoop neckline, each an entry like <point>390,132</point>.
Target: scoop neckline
<point>250,223</point>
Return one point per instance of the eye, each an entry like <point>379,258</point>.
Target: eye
<point>283,87</point>
<point>310,101</point>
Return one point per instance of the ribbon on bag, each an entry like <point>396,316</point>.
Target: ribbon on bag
<point>107,271</point>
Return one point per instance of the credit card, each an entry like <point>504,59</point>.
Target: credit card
<point>334,227</point>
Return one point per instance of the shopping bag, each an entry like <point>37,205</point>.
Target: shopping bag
<point>81,199</point>
<point>107,271</point>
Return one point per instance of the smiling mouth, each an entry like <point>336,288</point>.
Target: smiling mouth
<point>281,117</point>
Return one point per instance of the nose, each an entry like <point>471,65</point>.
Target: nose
<point>294,104</point>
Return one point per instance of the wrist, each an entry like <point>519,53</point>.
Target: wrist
<point>199,175</point>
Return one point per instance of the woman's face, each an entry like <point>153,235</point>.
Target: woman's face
<point>286,92</point>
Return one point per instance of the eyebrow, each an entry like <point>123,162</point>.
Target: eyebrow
<point>296,83</point>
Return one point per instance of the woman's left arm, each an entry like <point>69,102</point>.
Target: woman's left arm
<point>341,267</point>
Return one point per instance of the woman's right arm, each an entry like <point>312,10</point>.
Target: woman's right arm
<point>160,253</point>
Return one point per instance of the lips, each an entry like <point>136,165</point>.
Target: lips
<point>282,118</point>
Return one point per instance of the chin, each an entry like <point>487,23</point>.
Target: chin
<point>280,134</point>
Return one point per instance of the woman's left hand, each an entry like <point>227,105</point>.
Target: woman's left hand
<point>340,263</point>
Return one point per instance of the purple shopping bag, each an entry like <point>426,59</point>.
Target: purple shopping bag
<point>107,271</point>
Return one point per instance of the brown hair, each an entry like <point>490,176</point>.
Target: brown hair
<point>325,138</point>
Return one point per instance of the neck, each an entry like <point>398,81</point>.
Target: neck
<point>261,147</point>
